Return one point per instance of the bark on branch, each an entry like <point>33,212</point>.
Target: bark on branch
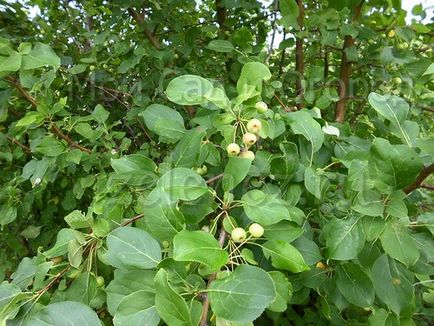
<point>420,179</point>
<point>345,70</point>
<point>148,33</point>
<point>54,128</point>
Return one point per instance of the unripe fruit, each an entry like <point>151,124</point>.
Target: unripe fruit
<point>256,230</point>
<point>248,155</point>
<point>238,235</point>
<point>249,139</point>
<point>100,281</point>
<point>57,260</point>
<point>233,149</point>
<point>92,68</point>
<point>262,107</point>
<point>397,80</point>
<point>254,126</point>
<point>320,265</point>
<point>202,170</point>
<point>391,33</point>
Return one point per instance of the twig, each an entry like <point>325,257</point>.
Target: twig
<point>24,147</point>
<point>51,283</point>
<point>54,128</point>
<point>420,179</point>
<point>299,56</point>
<point>205,306</point>
<point>211,180</point>
<point>425,186</point>
<point>135,218</point>
<point>148,33</point>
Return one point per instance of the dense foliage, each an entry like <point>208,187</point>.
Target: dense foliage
<point>167,162</point>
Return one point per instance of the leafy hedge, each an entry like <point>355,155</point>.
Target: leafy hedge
<point>141,187</point>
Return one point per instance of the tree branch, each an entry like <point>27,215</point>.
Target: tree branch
<point>24,147</point>
<point>211,180</point>
<point>345,70</point>
<point>221,13</point>
<point>205,306</point>
<point>148,33</point>
<point>420,179</point>
<point>54,128</point>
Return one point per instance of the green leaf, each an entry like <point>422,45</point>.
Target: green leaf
<point>220,46</point>
<point>135,169</point>
<point>344,238</point>
<point>393,108</point>
<point>393,167</point>
<point>391,286</point>
<point>11,62</point>
<point>189,90</point>
<point>302,123</point>
<point>235,171</point>
<point>165,122</point>
<point>50,146</point>
<point>251,77</point>
<point>129,248</point>
<point>284,256</point>
<point>430,70</point>
<point>186,152</point>
<point>64,313</point>
<point>30,118</point>
<point>234,298</point>
<point>77,220</point>
<point>75,253</point>
<point>286,165</point>
<point>126,283</point>
<point>315,183</point>
<point>171,307</point>
<point>201,247</point>
<point>85,289</point>
<point>264,209</point>
<point>183,184</point>
<point>283,292</point>
<point>64,236</point>
<point>398,243</point>
<point>289,10</point>
<point>137,308</point>
<point>162,217</point>
<point>41,55</point>
<point>355,285</point>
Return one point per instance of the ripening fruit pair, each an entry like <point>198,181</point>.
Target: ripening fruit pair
<point>233,150</point>
<point>239,235</point>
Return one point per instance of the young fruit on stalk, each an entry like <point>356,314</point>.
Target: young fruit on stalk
<point>254,126</point>
<point>248,155</point>
<point>261,107</point>
<point>249,139</point>
<point>233,149</point>
<point>202,170</point>
<point>238,235</point>
<point>256,230</point>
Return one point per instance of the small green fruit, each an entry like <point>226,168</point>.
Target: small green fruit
<point>233,149</point>
<point>92,68</point>
<point>238,235</point>
<point>256,230</point>
<point>248,155</point>
<point>249,139</point>
<point>391,33</point>
<point>202,170</point>
<point>254,126</point>
<point>57,260</point>
<point>397,80</point>
<point>262,107</point>
<point>100,281</point>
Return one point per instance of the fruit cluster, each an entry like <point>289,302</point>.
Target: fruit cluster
<point>250,137</point>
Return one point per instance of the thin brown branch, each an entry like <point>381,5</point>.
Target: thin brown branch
<point>425,186</point>
<point>299,56</point>
<point>54,128</point>
<point>220,13</point>
<point>420,179</point>
<point>345,70</point>
<point>148,33</point>
<point>53,281</point>
<point>24,147</point>
<point>132,220</point>
<point>211,180</point>
<point>205,306</point>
